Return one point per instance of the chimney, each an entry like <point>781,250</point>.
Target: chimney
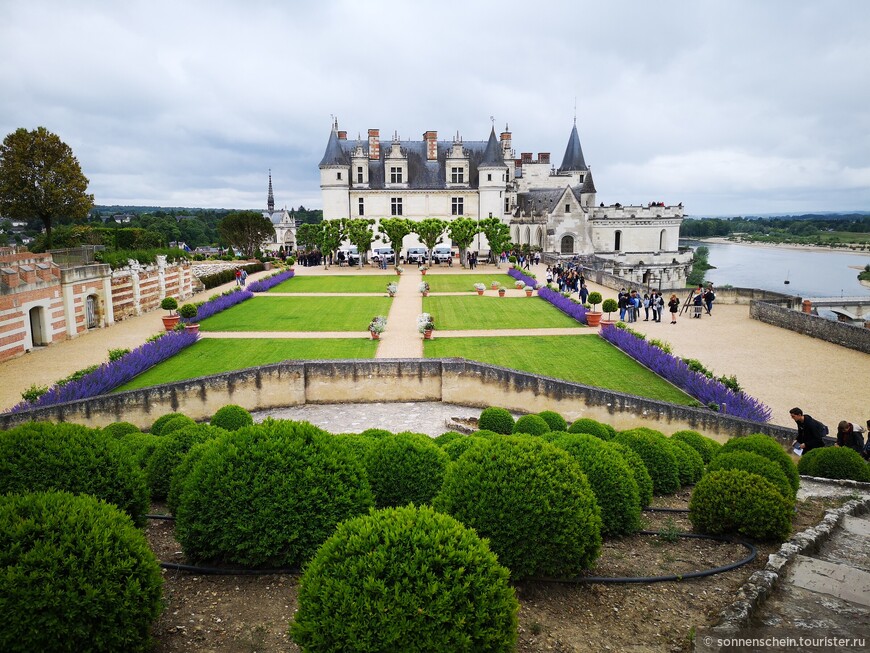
<point>431,139</point>
<point>342,135</point>
<point>543,157</point>
<point>527,157</point>
<point>505,142</point>
<point>518,163</point>
<point>374,144</point>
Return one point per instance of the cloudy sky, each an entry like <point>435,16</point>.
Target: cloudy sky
<point>730,107</point>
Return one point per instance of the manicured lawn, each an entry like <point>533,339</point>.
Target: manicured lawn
<point>343,284</point>
<point>465,282</point>
<point>299,314</point>
<point>588,360</point>
<point>213,356</point>
<point>473,312</point>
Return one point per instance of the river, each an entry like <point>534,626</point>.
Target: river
<point>810,273</point>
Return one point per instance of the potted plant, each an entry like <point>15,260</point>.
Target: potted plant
<point>593,317</point>
<point>479,287</point>
<point>494,285</point>
<point>377,326</point>
<point>423,269</point>
<point>188,313</point>
<point>528,290</point>
<point>519,285</point>
<point>501,290</point>
<point>512,260</point>
<point>399,269</point>
<point>169,321</point>
<point>424,288</point>
<point>425,325</point>
<point>609,306</point>
<point>392,288</point>
<point>291,261</point>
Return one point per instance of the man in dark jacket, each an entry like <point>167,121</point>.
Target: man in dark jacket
<point>810,431</point>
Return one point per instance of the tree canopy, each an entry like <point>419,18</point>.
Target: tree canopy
<point>246,231</point>
<point>430,231</point>
<point>40,177</point>
<point>359,232</point>
<point>462,232</point>
<point>498,234</point>
<point>394,231</point>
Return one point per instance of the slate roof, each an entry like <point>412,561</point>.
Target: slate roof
<point>493,156</point>
<point>573,159</point>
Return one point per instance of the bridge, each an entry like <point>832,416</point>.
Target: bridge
<point>847,309</point>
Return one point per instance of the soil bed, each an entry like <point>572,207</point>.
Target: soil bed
<point>252,613</point>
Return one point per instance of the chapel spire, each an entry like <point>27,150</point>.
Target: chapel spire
<point>270,203</point>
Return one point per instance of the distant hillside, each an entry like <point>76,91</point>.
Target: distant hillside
<point>818,215</point>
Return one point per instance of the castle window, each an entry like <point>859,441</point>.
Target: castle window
<point>489,177</point>
<point>567,208</point>
<point>362,206</point>
<point>457,206</point>
<point>395,206</point>
<point>617,241</point>
<point>338,175</point>
<point>396,177</point>
<point>457,176</point>
<point>507,205</point>
<point>359,175</point>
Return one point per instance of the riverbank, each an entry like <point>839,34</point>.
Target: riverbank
<point>845,249</point>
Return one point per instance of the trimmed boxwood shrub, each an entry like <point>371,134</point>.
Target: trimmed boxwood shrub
<point>182,472</point>
<point>141,446</point>
<point>157,426</point>
<point>705,446</point>
<point>268,495</point>
<point>41,456</point>
<point>754,464</point>
<point>496,419</point>
<point>690,462</point>
<point>638,471</point>
<point>554,420</point>
<point>377,433</point>
<point>486,434</point>
<point>169,452</point>
<point>766,446</point>
<point>175,424</point>
<point>590,426</point>
<point>531,500</point>
<point>77,576</point>
<point>459,446</point>
<point>438,587</point>
<point>446,437</point>
<point>657,456</point>
<point>531,425</point>
<point>231,418</point>
<point>119,429</point>
<point>732,500</point>
<point>405,468</point>
<point>834,462</point>
<point>611,480</point>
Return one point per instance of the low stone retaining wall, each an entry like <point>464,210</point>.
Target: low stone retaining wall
<point>839,333</point>
<point>453,380</point>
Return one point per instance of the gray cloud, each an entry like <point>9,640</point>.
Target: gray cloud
<point>729,107</point>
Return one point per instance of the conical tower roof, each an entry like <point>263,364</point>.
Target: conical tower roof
<point>492,155</point>
<point>335,154</point>
<point>573,159</point>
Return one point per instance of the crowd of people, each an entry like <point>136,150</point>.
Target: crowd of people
<point>811,434</point>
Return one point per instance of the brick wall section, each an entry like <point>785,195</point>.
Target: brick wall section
<point>177,281</point>
<point>839,333</point>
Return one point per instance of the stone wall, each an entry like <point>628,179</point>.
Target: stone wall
<point>398,380</point>
<point>839,333</point>
<point>137,288</point>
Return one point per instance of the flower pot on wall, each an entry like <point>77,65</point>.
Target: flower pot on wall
<point>169,321</point>
<point>593,318</point>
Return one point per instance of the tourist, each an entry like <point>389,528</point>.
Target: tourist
<point>660,304</point>
<point>698,302</point>
<point>849,435</point>
<point>244,278</point>
<point>622,302</point>
<point>709,296</point>
<point>654,306</point>
<point>646,307</point>
<point>810,432</point>
<point>584,293</point>
<point>674,306</point>
<point>238,277</point>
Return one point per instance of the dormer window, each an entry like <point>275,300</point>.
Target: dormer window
<point>395,175</point>
<point>457,175</point>
<point>359,175</point>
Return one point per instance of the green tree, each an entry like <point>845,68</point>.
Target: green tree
<point>329,236</point>
<point>246,231</point>
<point>40,177</point>
<point>394,231</point>
<point>498,234</point>
<point>307,236</point>
<point>462,231</point>
<point>359,232</point>
<point>430,232</point>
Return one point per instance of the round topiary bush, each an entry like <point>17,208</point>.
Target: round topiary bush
<point>41,456</point>
<point>611,479</point>
<point>377,433</point>
<point>181,473</point>
<point>446,437</point>
<point>495,419</point>
<point>638,471</point>
<point>169,452</point>
<point>439,588</point>
<point>590,426</point>
<point>555,421</point>
<point>689,461</point>
<point>231,418</point>
<point>531,425</point>
<point>834,462</point>
<point>485,434</point>
<point>658,458</point>
<point>766,446</point>
<point>268,495</point>
<point>405,468</point>
<point>531,500</point>
<point>157,426</point>
<point>176,423</point>
<point>705,446</point>
<point>459,446</point>
<point>77,576</point>
<point>140,446</point>
<point>732,500</point>
<point>119,429</point>
<point>754,464</point>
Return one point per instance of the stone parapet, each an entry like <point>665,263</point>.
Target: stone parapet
<point>839,333</point>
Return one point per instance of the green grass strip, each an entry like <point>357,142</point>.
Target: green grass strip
<point>459,312</point>
<point>213,356</point>
<point>465,282</point>
<point>337,284</point>
<point>588,360</point>
<point>299,314</point>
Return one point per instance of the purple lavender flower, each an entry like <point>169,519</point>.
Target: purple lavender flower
<point>564,304</point>
<point>222,303</point>
<point>270,282</point>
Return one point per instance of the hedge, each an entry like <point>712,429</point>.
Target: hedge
<point>405,468</point>
<point>834,462</point>
<point>754,464</point>
<point>657,456</point>
<point>496,419</point>
<point>226,276</point>
<point>766,446</point>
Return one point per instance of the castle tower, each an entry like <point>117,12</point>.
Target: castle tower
<point>335,176</point>
<point>492,179</point>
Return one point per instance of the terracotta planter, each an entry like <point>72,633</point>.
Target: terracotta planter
<point>191,328</point>
<point>425,293</point>
<point>479,292</point>
<point>427,335</point>
<point>529,293</point>
<point>423,272</point>
<point>398,274</point>
<point>169,321</point>
<point>375,335</point>
<point>494,286</point>
<point>593,318</point>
